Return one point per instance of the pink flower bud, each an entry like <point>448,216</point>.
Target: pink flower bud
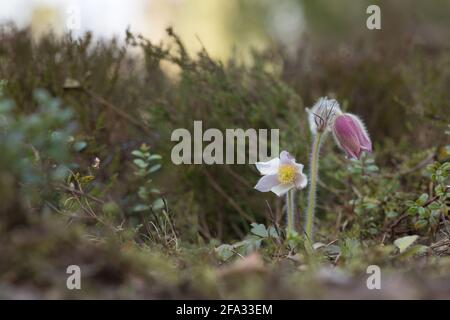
<point>351,135</point>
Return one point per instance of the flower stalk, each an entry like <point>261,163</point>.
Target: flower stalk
<point>290,212</point>
<point>313,177</point>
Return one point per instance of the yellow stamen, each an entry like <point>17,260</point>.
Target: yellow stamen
<point>286,173</point>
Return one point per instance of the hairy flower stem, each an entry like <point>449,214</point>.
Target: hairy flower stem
<point>313,176</point>
<point>290,212</point>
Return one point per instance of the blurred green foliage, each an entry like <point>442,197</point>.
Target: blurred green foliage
<point>35,154</point>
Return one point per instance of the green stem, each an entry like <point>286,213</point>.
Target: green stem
<point>313,176</point>
<point>290,212</point>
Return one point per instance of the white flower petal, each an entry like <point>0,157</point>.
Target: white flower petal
<point>286,158</point>
<point>301,181</point>
<point>267,182</point>
<point>299,167</point>
<point>268,167</point>
<point>281,189</point>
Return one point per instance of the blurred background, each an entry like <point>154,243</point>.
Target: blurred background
<point>231,26</point>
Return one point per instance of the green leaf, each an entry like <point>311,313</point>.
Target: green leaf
<point>445,166</point>
<point>405,242</point>
<point>371,205</point>
<point>439,189</point>
<point>259,230</point>
<point>391,214</point>
<point>154,157</point>
<point>410,203</point>
<point>154,168</point>
<point>79,146</point>
<point>140,163</point>
<point>421,211</point>
<point>412,210</point>
<point>422,199</point>
<point>372,168</point>
<point>431,167</point>
<point>225,252</point>
<point>154,190</point>
<point>421,223</point>
<point>137,153</point>
<point>158,204</point>
<point>273,232</point>
<point>250,244</point>
<point>140,208</point>
<point>434,206</point>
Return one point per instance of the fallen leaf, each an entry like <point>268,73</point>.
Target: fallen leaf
<point>405,242</point>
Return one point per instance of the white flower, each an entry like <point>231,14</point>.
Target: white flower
<point>96,164</point>
<point>321,116</point>
<point>281,175</point>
